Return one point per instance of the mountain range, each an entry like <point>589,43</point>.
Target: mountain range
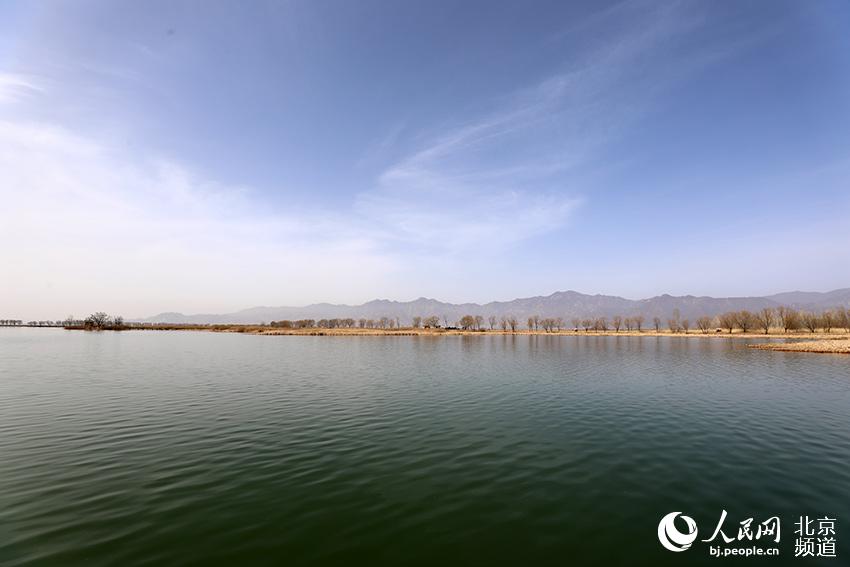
<point>565,304</point>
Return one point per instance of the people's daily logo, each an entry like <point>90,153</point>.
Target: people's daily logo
<point>816,536</point>
<point>671,537</point>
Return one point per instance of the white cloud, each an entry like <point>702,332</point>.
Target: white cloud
<point>462,221</point>
<point>88,227</point>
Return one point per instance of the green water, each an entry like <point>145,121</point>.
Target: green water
<point>183,448</point>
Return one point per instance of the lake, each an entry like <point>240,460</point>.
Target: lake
<point>191,448</point>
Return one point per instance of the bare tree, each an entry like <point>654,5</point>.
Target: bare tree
<point>639,322</point>
<point>479,322</point>
<point>673,323</point>
<point>810,321</point>
<point>513,323</point>
<point>467,322</point>
<point>704,324</point>
<point>417,322</point>
<point>503,323</point>
<point>492,320</point>
<point>728,321</point>
<point>586,323</point>
<point>617,322</point>
<point>685,325</point>
<point>98,320</point>
<point>827,320</point>
<point>843,319</point>
<point>629,323</point>
<point>576,323</point>
<point>789,318</point>
<point>431,322</point>
<point>656,322</point>
<point>764,319</point>
<point>745,320</point>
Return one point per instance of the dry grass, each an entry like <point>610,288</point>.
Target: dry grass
<point>826,346</point>
<point>409,331</point>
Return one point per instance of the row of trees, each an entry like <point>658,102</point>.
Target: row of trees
<point>382,323</point>
<point>42,323</point>
<point>312,324</point>
<point>617,323</point>
<point>784,318</point>
<point>69,321</point>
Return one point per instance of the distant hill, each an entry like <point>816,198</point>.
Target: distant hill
<point>812,299</point>
<point>565,304</point>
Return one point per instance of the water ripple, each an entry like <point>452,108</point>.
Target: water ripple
<point>198,448</point>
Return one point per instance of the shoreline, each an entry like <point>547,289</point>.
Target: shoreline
<point>820,342</point>
<point>412,331</point>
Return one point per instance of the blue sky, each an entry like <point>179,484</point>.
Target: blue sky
<point>209,156</point>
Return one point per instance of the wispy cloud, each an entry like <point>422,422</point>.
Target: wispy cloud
<point>507,175</point>
<point>14,87</point>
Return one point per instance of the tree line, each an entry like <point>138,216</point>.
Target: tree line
<point>349,323</point>
<point>40,323</point>
<point>98,320</point>
<point>785,318</point>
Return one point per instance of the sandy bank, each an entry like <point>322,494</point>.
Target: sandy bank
<point>826,346</point>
